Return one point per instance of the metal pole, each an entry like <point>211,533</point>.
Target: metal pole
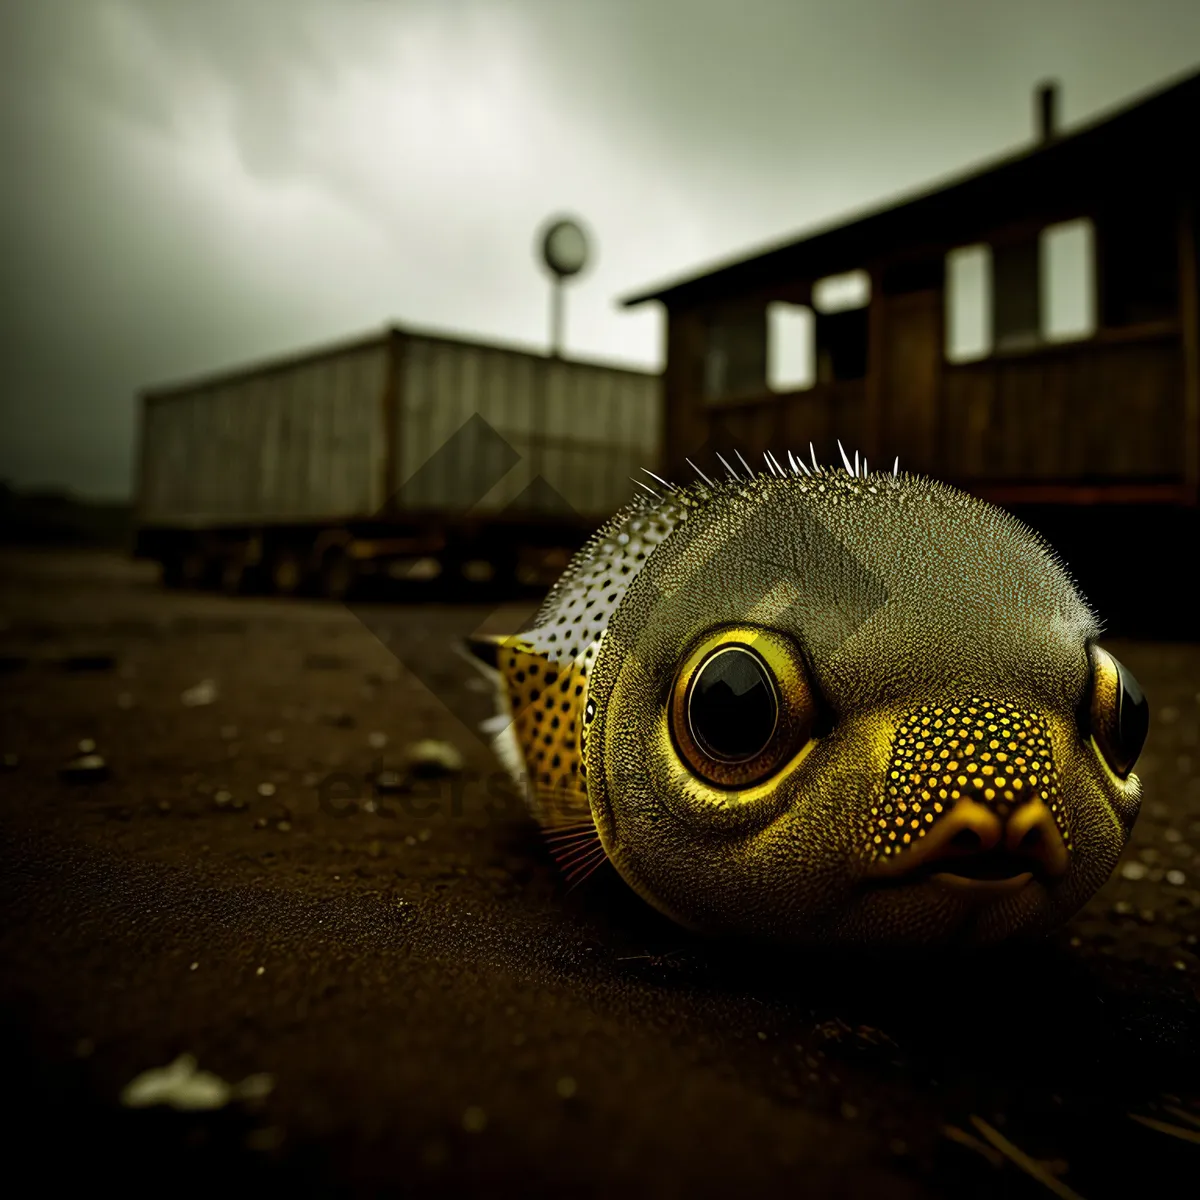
<point>556,317</point>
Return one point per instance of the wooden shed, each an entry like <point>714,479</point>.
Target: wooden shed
<point>1104,410</point>
<point>935,333</point>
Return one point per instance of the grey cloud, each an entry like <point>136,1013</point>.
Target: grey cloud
<point>193,184</point>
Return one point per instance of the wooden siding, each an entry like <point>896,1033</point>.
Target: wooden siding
<point>1090,411</point>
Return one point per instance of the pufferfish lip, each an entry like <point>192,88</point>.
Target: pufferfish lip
<point>978,855</point>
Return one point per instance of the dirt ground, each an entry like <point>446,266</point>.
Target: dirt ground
<point>438,1012</point>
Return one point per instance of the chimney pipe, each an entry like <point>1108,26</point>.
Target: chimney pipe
<point>1046,104</point>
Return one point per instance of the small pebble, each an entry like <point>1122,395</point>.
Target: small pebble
<point>86,768</point>
<point>284,826</point>
<point>205,692</point>
<point>266,789</point>
<point>260,971</point>
<point>431,757</point>
<point>87,746</point>
<point>275,736</point>
<point>11,762</point>
<point>222,798</point>
<point>1178,878</point>
<point>124,699</point>
<point>164,806</point>
<point>229,732</point>
<point>377,741</point>
<point>566,1087</point>
<point>474,1119</point>
<point>1134,870</point>
<point>194,966</point>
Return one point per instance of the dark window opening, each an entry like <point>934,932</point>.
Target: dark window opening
<point>735,360</point>
<point>1016,295</point>
<point>1139,270</point>
<point>841,345</point>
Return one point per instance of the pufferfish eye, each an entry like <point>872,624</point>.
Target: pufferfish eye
<point>1116,715</point>
<point>741,705</point>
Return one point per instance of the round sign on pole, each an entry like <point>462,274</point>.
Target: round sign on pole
<point>564,247</point>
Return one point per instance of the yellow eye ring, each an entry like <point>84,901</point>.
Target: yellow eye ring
<point>741,706</point>
<point>1118,716</point>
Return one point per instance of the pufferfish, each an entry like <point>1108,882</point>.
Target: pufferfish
<point>825,706</point>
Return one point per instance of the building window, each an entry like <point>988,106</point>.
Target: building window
<point>789,347</point>
<point>837,293</point>
<point>1068,257</point>
<point>1016,294</point>
<point>735,354</point>
<point>841,326</point>
<point>1139,265</point>
<point>968,303</point>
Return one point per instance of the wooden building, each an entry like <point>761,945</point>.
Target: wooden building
<point>1104,414</point>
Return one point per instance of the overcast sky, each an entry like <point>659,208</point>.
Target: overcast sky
<point>191,184</point>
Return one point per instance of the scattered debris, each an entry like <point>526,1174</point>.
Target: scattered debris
<point>389,783</point>
<point>1030,1166</point>
<point>84,768</point>
<point>205,692</point>
<point>181,1085</point>
<point>431,758</point>
<point>1175,1131</point>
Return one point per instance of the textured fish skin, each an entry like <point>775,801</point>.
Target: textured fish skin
<point>914,610</point>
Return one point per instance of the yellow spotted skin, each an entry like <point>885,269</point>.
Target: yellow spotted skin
<point>546,700</point>
<point>947,649</point>
<point>988,752</point>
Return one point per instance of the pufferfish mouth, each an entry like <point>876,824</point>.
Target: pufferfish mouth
<point>971,800</point>
<point>976,851</point>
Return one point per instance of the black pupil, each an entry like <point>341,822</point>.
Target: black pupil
<point>1133,715</point>
<point>732,706</point>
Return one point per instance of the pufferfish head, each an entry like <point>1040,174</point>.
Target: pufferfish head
<point>830,708</point>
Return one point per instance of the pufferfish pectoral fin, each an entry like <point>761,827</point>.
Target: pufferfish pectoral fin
<point>536,733</point>
<point>486,648</point>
